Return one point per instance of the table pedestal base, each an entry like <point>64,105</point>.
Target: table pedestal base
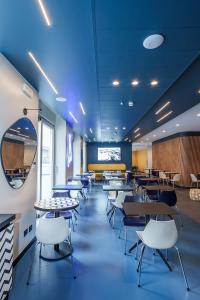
<point>57,252</point>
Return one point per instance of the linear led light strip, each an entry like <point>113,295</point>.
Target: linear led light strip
<point>163,117</point>
<point>160,109</point>
<point>44,12</point>
<point>126,139</point>
<point>71,114</point>
<point>137,135</point>
<point>43,72</point>
<point>82,108</point>
<point>91,130</point>
<point>137,129</point>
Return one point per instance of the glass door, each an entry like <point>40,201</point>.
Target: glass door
<point>46,160</point>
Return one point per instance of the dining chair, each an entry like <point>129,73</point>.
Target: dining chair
<point>163,177</point>
<point>67,215</point>
<point>131,221</point>
<point>159,235</point>
<point>51,232</point>
<point>176,178</point>
<point>112,194</point>
<point>194,180</point>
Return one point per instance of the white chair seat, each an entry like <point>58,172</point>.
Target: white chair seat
<point>117,205</point>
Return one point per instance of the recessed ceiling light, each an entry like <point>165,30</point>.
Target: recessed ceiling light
<point>108,128</point>
<point>154,135</point>
<point>198,115</point>
<point>162,107</point>
<point>27,128</point>
<point>116,128</point>
<point>61,99</point>
<point>115,82</point>
<point>177,124</point>
<point>130,141</point>
<point>124,128</point>
<point>154,82</point>
<point>122,103</point>
<point>82,108</point>
<point>137,129</point>
<point>147,139</point>
<point>163,117</point>
<point>19,128</point>
<point>91,130</point>
<point>135,82</point>
<point>71,114</point>
<point>137,135</point>
<point>126,139</point>
<point>44,12</point>
<point>130,103</point>
<point>153,41</point>
<point>43,72</point>
<point>164,131</point>
<point>198,91</point>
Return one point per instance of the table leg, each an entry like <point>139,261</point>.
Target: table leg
<point>56,247</point>
<point>134,246</point>
<point>164,259</point>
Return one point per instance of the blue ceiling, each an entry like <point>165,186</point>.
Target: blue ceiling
<point>93,42</point>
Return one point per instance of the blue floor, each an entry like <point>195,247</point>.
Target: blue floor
<point>103,271</point>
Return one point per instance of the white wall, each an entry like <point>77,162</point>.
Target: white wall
<point>20,202</point>
<point>60,150</point>
<point>76,155</point>
<point>149,157</point>
<point>84,156</point>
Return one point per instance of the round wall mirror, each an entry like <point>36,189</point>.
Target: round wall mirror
<point>18,149</point>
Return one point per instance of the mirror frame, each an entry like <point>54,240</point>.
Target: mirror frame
<point>1,147</point>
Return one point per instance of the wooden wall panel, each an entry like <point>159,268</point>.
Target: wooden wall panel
<point>13,155</point>
<point>140,159</point>
<point>181,154</point>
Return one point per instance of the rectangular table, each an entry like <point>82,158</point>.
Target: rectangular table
<point>158,187</point>
<point>118,188</point>
<point>145,208</point>
<point>67,187</point>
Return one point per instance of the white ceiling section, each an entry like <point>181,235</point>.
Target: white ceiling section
<point>188,121</point>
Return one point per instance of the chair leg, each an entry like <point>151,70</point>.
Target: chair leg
<point>73,267</point>
<point>120,229</point>
<point>140,265</point>
<point>31,265</point>
<point>136,253</point>
<point>182,268</point>
<point>113,221</point>
<point>125,239</point>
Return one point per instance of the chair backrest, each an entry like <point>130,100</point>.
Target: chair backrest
<point>193,177</point>
<point>74,194</point>
<point>168,197</point>
<point>162,175</point>
<point>75,182</point>
<point>160,234</point>
<point>115,182</point>
<point>122,195</point>
<point>52,231</point>
<point>177,177</point>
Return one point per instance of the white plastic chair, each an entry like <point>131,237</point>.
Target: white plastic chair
<point>194,180</point>
<point>175,179</point>
<point>159,235</point>
<point>163,177</point>
<point>112,194</point>
<point>51,232</point>
<point>118,204</point>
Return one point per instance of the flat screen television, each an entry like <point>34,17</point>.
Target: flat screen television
<point>109,154</point>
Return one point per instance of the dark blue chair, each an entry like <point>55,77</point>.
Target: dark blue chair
<point>152,195</point>
<point>168,197</point>
<point>133,221</point>
<point>65,214</point>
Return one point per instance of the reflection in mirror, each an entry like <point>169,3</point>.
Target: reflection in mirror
<point>18,149</point>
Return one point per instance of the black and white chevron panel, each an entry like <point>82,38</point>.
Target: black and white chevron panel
<point>6,260</point>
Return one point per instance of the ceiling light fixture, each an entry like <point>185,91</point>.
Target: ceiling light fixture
<point>116,128</point>
<point>124,128</point>
<point>154,135</point>
<point>75,120</point>
<point>198,115</point>
<point>198,91</point>
<point>61,99</point>
<point>91,130</point>
<point>177,124</point>
<point>82,108</point>
<point>153,41</point>
<point>108,128</point>
<point>137,135</point>
<point>154,82</point>
<point>135,82</point>
<point>165,116</point>
<point>19,128</point>
<point>43,72</point>
<point>137,129</point>
<point>160,109</point>
<point>116,83</point>
<point>126,139</point>
<point>44,12</point>
<point>130,103</point>
<point>164,131</point>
